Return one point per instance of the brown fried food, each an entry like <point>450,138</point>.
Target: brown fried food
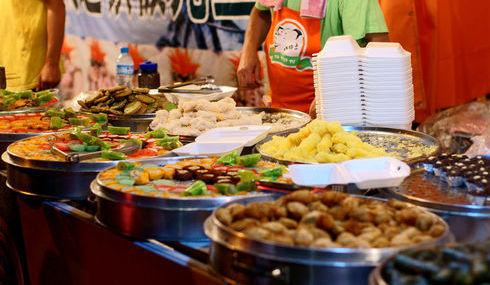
<point>244,224</point>
<point>324,242</point>
<point>303,237</point>
<point>407,215</point>
<point>123,93</point>
<point>311,217</point>
<point>353,226</point>
<point>437,230</point>
<point>424,221</point>
<point>258,210</point>
<point>145,99</point>
<point>338,213</point>
<point>326,222</point>
<point>257,233</point>
<point>115,89</point>
<point>332,198</point>
<point>362,214</point>
<point>274,227</point>
<point>288,223</point>
<point>278,211</point>
<point>224,216</point>
<point>302,196</point>
<point>237,211</point>
<point>296,210</point>
<point>344,221</point>
<point>318,206</point>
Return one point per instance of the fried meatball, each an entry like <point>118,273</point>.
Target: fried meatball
<point>288,223</point>
<point>302,196</point>
<point>296,210</point>
<point>303,237</point>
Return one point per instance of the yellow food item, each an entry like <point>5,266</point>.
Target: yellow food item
<point>320,141</point>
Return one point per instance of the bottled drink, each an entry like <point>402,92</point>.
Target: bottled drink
<point>124,68</point>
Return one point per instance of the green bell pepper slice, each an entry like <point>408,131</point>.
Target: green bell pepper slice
<point>157,134</point>
<point>76,147</point>
<point>228,159</point>
<point>196,189</point>
<point>249,160</point>
<point>118,130</point>
<point>226,188</point>
<point>55,123</point>
<point>113,155</point>
<point>248,186</point>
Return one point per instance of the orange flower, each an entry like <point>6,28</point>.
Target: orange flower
<point>96,53</point>
<point>134,53</point>
<point>182,63</point>
<point>66,48</point>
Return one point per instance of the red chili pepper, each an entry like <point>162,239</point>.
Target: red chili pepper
<point>62,146</point>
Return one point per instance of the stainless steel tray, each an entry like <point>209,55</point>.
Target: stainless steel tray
<point>469,222</point>
<point>378,137</point>
<point>254,262</point>
<point>171,219</point>
<point>31,109</point>
<point>255,110</point>
<point>137,123</point>
<point>54,179</point>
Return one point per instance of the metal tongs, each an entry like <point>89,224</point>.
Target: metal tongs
<point>207,82</point>
<point>125,148</point>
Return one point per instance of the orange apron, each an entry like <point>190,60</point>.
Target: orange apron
<point>289,45</point>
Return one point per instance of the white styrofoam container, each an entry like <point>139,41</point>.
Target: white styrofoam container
<point>365,173</point>
<point>208,148</point>
<point>246,135</point>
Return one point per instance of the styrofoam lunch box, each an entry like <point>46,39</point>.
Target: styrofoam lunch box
<point>368,173</point>
<point>208,148</point>
<point>247,135</point>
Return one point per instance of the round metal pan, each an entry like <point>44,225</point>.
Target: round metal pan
<point>137,123</point>
<point>7,138</point>
<point>365,133</point>
<point>54,179</point>
<point>254,262</point>
<point>469,222</point>
<point>171,219</point>
<point>255,110</point>
<point>32,109</point>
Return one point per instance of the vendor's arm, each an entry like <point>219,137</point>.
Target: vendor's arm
<point>258,27</point>
<point>50,74</point>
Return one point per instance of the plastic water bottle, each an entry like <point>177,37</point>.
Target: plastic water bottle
<point>124,68</point>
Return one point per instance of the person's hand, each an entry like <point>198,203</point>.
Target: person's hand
<point>248,72</point>
<point>312,111</point>
<point>50,76</point>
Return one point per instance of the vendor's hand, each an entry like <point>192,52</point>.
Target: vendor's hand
<point>313,110</point>
<point>248,72</point>
<point>50,76</point>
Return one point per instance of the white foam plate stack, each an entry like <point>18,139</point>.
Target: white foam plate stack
<point>337,81</point>
<point>369,86</point>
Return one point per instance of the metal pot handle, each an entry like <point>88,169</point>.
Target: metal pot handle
<point>278,273</point>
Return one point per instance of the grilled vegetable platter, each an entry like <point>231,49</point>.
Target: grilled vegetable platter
<point>11,101</point>
<point>95,145</point>
<point>227,175</point>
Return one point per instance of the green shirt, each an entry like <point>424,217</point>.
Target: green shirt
<point>346,17</point>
